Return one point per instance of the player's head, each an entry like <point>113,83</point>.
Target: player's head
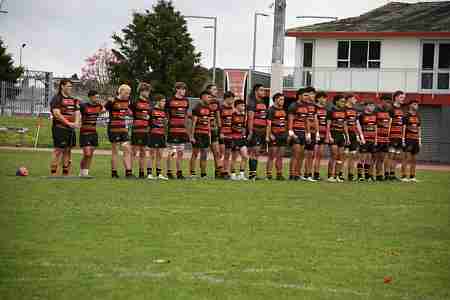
<point>386,101</point>
<point>299,94</point>
<point>239,105</point>
<point>369,106</point>
<point>258,91</point>
<point>308,95</point>
<point>124,92</point>
<point>414,105</point>
<point>180,89</point>
<point>93,96</point>
<point>160,101</point>
<point>228,97</point>
<point>321,98</point>
<point>22,171</point>
<point>144,89</point>
<point>350,100</point>
<point>205,97</point>
<point>65,87</point>
<point>212,89</point>
<point>399,98</point>
<point>278,99</point>
<point>339,101</point>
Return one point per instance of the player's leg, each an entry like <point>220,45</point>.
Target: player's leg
<point>234,156</point>
<point>226,161</point>
<point>244,159</point>
<point>318,154</point>
<point>193,161</point>
<point>114,159</point>
<point>332,163</point>
<point>127,159</point>
<point>85,163</point>
<point>253,161</point>
<point>215,149</point>
<point>269,164</point>
<point>279,162</point>
<point>309,155</point>
<point>179,161</point>
<point>158,163</point>
<point>170,156</point>
<point>293,163</point>
<point>142,161</point>
<point>67,155</point>
<point>339,164</point>
<point>301,160</point>
<point>203,162</point>
<point>151,161</point>
<point>56,160</point>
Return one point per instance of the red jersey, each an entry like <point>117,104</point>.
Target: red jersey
<point>300,114</point>
<point>226,116</point>
<point>397,115</point>
<point>337,118</point>
<point>177,110</point>
<point>202,112</point>
<point>158,118</point>
<point>141,115</point>
<point>383,119</point>
<point>89,114</point>
<point>238,126</point>
<point>368,126</point>
<point>278,118</point>
<point>118,112</point>
<point>351,115</point>
<point>412,123</point>
<point>260,118</point>
<point>322,118</point>
<point>68,107</point>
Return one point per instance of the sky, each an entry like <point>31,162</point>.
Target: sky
<point>60,35</point>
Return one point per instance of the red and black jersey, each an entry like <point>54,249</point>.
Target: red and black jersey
<point>214,107</point>
<point>322,118</point>
<point>278,118</point>
<point>118,112</point>
<point>141,115</point>
<point>383,119</point>
<point>226,116</point>
<point>238,126</point>
<point>412,123</point>
<point>68,107</point>
<point>260,118</point>
<point>300,113</point>
<point>177,110</point>
<point>368,126</point>
<point>397,115</point>
<point>158,119</point>
<point>351,115</point>
<point>89,114</point>
<point>202,112</point>
<point>337,118</point>
<point>312,111</point>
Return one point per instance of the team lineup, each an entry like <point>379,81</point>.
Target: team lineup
<point>367,140</point>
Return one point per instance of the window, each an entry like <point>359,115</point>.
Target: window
<point>435,74</point>
<point>307,54</point>
<point>359,54</point>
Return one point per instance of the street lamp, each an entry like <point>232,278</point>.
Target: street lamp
<point>20,56</point>
<point>254,36</point>
<point>214,41</point>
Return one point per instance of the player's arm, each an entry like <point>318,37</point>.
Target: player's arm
<point>360,133</point>
<point>268,130</point>
<point>390,125</point>
<point>194,124</point>
<point>291,125</point>
<point>59,116</point>
<point>316,124</point>
<point>329,138</point>
<point>218,119</point>
<point>419,132</point>
<point>347,137</point>
<point>77,122</point>
<point>251,118</point>
<point>376,134</point>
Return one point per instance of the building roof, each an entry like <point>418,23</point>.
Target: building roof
<point>394,17</point>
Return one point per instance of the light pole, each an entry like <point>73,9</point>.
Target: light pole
<point>20,55</point>
<point>254,36</point>
<point>214,40</point>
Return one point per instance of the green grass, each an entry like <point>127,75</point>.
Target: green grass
<point>45,134</point>
<point>98,239</point>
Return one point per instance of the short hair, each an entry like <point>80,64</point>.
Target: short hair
<point>203,94</point>
<point>228,95</point>
<point>397,93</point>
<point>300,91</point>
<point>180,85</point>
<point>238,101</point>
<point>337,97</point>
<point>256,86</point>
<point>92,93</point>
<point>62,83</point>
<point>309,89</point>
<point>144,86</point>
<point>321,94</point>
<point>276,96</point>
<point>159,97</point>
<point>209,86</point>
<point>123,87</point>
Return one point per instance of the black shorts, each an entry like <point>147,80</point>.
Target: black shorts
<point>227,142</point>
<point>338,138</point>
<point>383,148</point>
<point>118,137</point>
<point>177,139</point>
<point>280,140</point>
<point>354,145</point>
<point>311,145</point>
<point>89,140</point>
<point>239,143</point>
<point>412,146</point>
<point>63,137</point>
<point>139,139</point>
<point>215,136</point>
<point>258,139</point>
<point>322,140</point>
<point>396,146</point>
<point>368,147</point>
<point>201,141</point>
<point>300,139</point>
<point>157,141</point>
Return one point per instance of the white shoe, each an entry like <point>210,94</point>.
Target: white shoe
<point>302,178</point>
<point>234,177</point>
<point>150,177</point>
<point>331,179</point>
<point>414,180</point>
<point>339,180</point>
<point>242,178</point>
<point>404,179</point>
<point>310,179</point>
<point>162,177</point>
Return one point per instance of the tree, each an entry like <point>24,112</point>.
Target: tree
<point>157,47</point>
<point>7,70</point>
<point>97,73</point>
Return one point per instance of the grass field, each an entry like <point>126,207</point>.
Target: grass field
<point>102,239</point>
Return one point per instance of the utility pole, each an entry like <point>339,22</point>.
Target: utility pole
<point>255,30</point>
<point>276,82</point>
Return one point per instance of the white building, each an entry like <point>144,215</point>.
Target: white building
<point>399,46</point>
